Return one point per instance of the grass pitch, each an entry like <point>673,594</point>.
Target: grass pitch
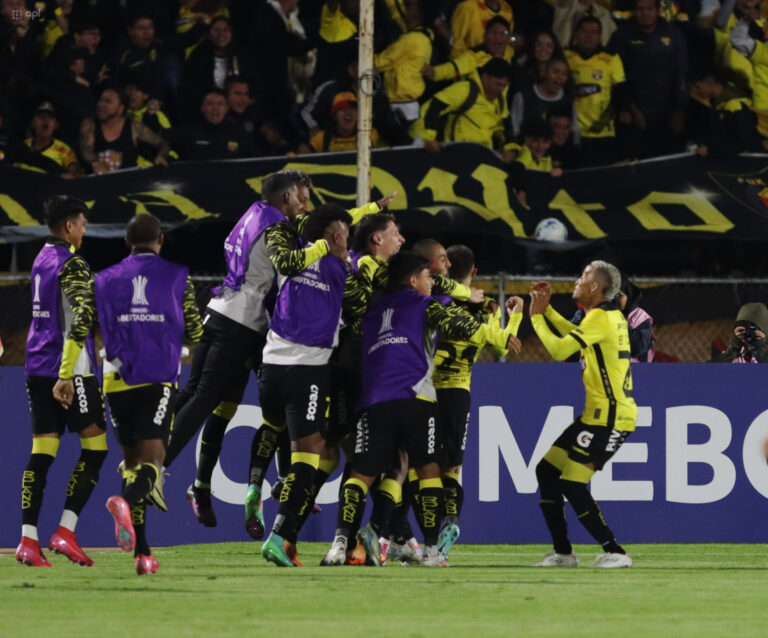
<point>226,589</point>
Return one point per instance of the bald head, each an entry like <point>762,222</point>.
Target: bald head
<point>144,230</point>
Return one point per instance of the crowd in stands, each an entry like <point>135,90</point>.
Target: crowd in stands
<point>92,86</point>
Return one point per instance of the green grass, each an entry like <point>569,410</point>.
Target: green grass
<point>226,589</point>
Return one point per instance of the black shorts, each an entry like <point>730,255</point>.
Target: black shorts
<point>345,393</point>
<point>591,443</point>
<point>453,420</point>
<point>295,397</point>
<point>384,428</point>
<point>141,414</point>
<point>49,417</point>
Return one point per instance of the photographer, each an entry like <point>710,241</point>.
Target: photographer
<point>748,343</point>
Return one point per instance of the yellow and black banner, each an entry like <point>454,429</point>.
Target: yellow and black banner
<point>464,189</point>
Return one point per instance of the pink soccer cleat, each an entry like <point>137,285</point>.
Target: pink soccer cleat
<point>125,536</point>
<point>65,542</point>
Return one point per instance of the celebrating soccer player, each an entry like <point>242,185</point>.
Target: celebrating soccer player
<point>59,280</point>
<point>146,308</point>
<point>609,413</point>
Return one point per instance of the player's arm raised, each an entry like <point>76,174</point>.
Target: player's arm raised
<point>454,323</point>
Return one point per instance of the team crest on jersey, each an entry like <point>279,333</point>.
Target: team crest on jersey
<point>597,74</point>
<point>666,41</point>
<point>232,146</point>
<point>386,320</point>
<point>314,266</point>
<point>139,291</point>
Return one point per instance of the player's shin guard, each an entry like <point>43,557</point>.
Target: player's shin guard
<point>296,493</point>
<point>210,444</point>
<point>386,498</point>
<point>589,515</point>
<point>283,458</point>
<point>263,449</point>
<point>324,470</point>
<point>351,508</point>
<point>431,511</point>
<point>33,480</point>
<point>138,516</point>
<point>553,506</point>
<point>86,473</point>
<point>399,527</point>
<point>454,497</point>
<point>139,482</point>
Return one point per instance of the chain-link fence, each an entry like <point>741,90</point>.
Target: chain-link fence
<point>693,318</point>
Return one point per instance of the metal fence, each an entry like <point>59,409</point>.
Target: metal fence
<point>693,318</point>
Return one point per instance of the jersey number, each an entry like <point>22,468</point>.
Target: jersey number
<point>469,354</point>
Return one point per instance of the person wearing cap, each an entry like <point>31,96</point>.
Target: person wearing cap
<point>43,127</point>
<point>748,343</point>
<point>342,135</point>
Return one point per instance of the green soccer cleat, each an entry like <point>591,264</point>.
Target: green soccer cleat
<point>273,550</point>
<point>448,536</point>
<point>370,542</point>
<point>254,512</point>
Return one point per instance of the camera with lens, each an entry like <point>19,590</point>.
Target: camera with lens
<point>750,334</point>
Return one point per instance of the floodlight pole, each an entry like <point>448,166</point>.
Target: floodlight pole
<point>365,102</point>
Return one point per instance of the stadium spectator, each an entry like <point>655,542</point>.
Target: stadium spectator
<point>244,111</point>
<point>497,43</point>
<point>211,63</point>
<point>84,37</point>
<point>141,57</point>
<point>56,26</point>
<point>401,62</point>
<point>748,343</point>
<point>749,40</point>
<point>530,67</point>
<point>273,38</point>
<point>564,152</point>
<point>469,20</point>
<point>655,61</point>
<point>471,110</point>
<point>342,136</point>
<point>194,18</point>
<point>18,57</point>
<point>599,88</point>
<point>533,154</point>
<point>552,93</point>
<point>110,142</point>
<point>568,13</point>
<point>44,126</point>
<point>338,29</point>
<point>213,136</point>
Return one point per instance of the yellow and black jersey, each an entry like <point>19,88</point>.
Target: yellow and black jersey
<point>58,151</point>
<point>454,358</point>
<point>594,78</point>
<point>603,339</point>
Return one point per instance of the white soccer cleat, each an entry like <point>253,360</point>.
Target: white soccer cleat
<point>337,555</point>
<point>433,557</point>
<point>553,559</point>
<point>613,560</point>
<point>409,552</point>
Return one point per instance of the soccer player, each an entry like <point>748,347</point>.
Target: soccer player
<point>59,280</point>
<point>398,404</point>
<point>453,374</point>
<point>294,376</point>
<point>146,308</point>
<point>609,413</point>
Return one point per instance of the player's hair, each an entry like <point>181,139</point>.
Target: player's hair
<point>462,261</point>
<point>60,209</point>
<point>143,228</point>
<point>497,68</point>
<point>366,227</point>
<point>300,178</point>
<point>321,218</point>
<point>610,276</point>
<point>276,185</point>
<point>425,247</point>
<point>586,20</point>
<point>402,266</point>
<point>497,20</point>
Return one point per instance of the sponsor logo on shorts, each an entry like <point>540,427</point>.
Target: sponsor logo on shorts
<point>584,438</point>
<point>361,435</point>
<point>82,397</point>
<point>614,441</point>
<point>431,439</point>
<point>162,406</point>
<point>314,394</point>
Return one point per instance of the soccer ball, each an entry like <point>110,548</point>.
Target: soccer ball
<point>550,229</point>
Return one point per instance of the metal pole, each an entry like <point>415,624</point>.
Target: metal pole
<point>365,102</point>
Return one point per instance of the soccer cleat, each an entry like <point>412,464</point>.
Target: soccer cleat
<point>370,542</point>
<point>124,532</point>
<point>337,555</point>
<point>28,553</point>
<point>146,564</point>
<point>200,500</point>
<point>65,542</point>
<point>553,559</point>
<point>433,557</point>
<point>254,512</point>
<point>384,544</point>
<point>290,549</point>
<point>356,555</point>
<point>448,536</point>
<point>156,496</point>
<point>613,560</point>
<point>273,551</point>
